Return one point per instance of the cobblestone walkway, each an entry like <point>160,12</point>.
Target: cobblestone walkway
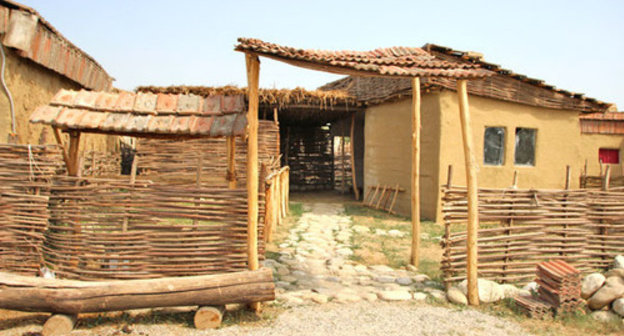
<point>314,265</point>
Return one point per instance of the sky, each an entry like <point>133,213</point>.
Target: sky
<point>574,45</point>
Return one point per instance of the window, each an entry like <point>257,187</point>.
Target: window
<point>494,146</point>
<point>525,146</point>
<point>608,155</point>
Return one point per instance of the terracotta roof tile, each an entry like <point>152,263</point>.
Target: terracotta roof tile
<point>613,116</point>
<point>144,114</point>
<point>392,62</point>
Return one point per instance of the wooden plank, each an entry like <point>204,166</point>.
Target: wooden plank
<point>415,187</point>
<point>473,199</point>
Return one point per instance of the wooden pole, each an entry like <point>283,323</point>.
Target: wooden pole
<point>231,161</point>
<point>473,198</point>
<point>133,172</point>
<point>514,184</point>
<point>415,255</point>
<point>568,177</point>
<point>343,163</point>
<point>253,74</point>
<point>74,145</point>
<point>607,178</point>
<point>356,191</point>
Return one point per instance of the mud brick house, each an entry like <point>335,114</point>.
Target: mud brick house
<point>520,124</point>
<point>38,62</point>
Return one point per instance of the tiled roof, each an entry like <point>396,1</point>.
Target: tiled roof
<point>612,116</point>
<point>389,62</point>
<point>36,39</point>
<point>144,114</point>
<point>504,85</point>
<point>603,123</point>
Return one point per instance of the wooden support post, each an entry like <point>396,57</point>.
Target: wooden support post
<point>208,317</point>
<point>58,324</point>
<point>356,191</point>
<point>415,197</point>
<point>473,197</point>
<point>282,193</point>
<point>343,157</point>
<point>514,183</point>
<point>74,161</point>
<point>231,161</point>
<point>253,74</point>
<point>59,141</point>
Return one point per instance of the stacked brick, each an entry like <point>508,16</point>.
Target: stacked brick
<point>560,285</point>
<point>559,290</point>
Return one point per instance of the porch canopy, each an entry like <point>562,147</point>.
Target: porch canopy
<point>407,62</point>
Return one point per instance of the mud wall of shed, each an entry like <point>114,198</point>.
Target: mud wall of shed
<point>388,151</point>
<point>559,142</point>
<point>33,85</point>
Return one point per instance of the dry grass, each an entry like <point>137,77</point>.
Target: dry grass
<point>274,97</point>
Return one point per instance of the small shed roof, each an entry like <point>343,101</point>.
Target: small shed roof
<point>603,123</point>
<point>145,114</point>
<point>386,62</point>
<point>33,37</point>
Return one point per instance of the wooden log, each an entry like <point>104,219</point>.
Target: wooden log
<point>415,196</point>
<point>208,317</point>
<point>606,179</point>
<point>269,222</point>
<point>473,199</point>
<point>74,161</point>
<point>356,191</point>
<point>35,294</point>
<point>58,324</point>
<point>253,76</point>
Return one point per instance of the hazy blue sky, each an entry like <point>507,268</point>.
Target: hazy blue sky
<point>575,45</point>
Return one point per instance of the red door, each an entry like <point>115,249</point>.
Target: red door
<point>607,155</point>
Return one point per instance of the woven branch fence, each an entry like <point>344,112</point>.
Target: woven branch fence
<point>91,228</point>
<point>277,197</point>
<point>26,173</point>
<point>598,182</point>
<point>101,164</point>
<point>308,151</point>
<point>177,162</point>
<point>520,228</point>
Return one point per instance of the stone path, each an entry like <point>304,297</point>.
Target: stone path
<point>314,265</point>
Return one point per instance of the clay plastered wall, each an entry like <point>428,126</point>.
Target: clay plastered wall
<point>591,143</point>
<point>387,155</point>
<point>31,86</point>
<point>558,143</point>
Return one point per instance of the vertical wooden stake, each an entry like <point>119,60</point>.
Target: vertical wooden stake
<point>231,161</point>
<point>415,255</point>
<point>568,177</point>
<point>607,178</point>
<point>343,180</point>
<point>253,73</point>
<point>473,198</point>
<point>514,184</point>
<point>449,177</point>
<point>74,162</point>
<point>356,191</point>
<point>133,172</point>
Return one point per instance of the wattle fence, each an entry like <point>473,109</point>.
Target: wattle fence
<point>520,228</point>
